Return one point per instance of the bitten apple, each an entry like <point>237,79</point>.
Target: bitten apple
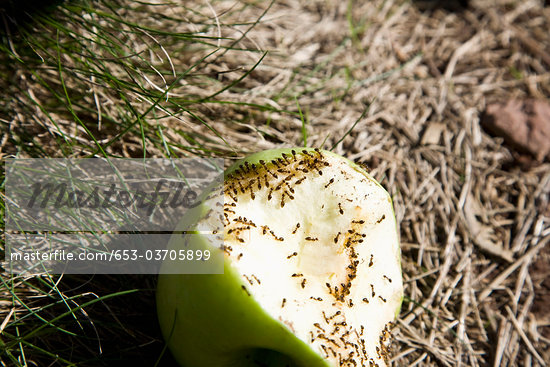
<point>312,273</point>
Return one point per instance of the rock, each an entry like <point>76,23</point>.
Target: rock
<point>524,125</point>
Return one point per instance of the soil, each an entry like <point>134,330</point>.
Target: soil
<point>540,271</point>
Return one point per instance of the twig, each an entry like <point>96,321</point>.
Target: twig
<point>523,336</point>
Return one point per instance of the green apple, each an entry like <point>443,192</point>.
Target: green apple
<point>312,273</point>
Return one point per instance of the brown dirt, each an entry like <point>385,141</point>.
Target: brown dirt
<point>540,271</point>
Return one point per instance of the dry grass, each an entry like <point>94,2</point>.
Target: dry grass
<point>473,222</point>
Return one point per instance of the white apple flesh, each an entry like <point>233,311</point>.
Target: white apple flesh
<point>312,273</point>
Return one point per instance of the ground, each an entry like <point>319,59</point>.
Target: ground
<point>400,86</point>
<point>541,278</point>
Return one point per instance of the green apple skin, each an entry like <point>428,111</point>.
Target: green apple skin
<point>211,320</point>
